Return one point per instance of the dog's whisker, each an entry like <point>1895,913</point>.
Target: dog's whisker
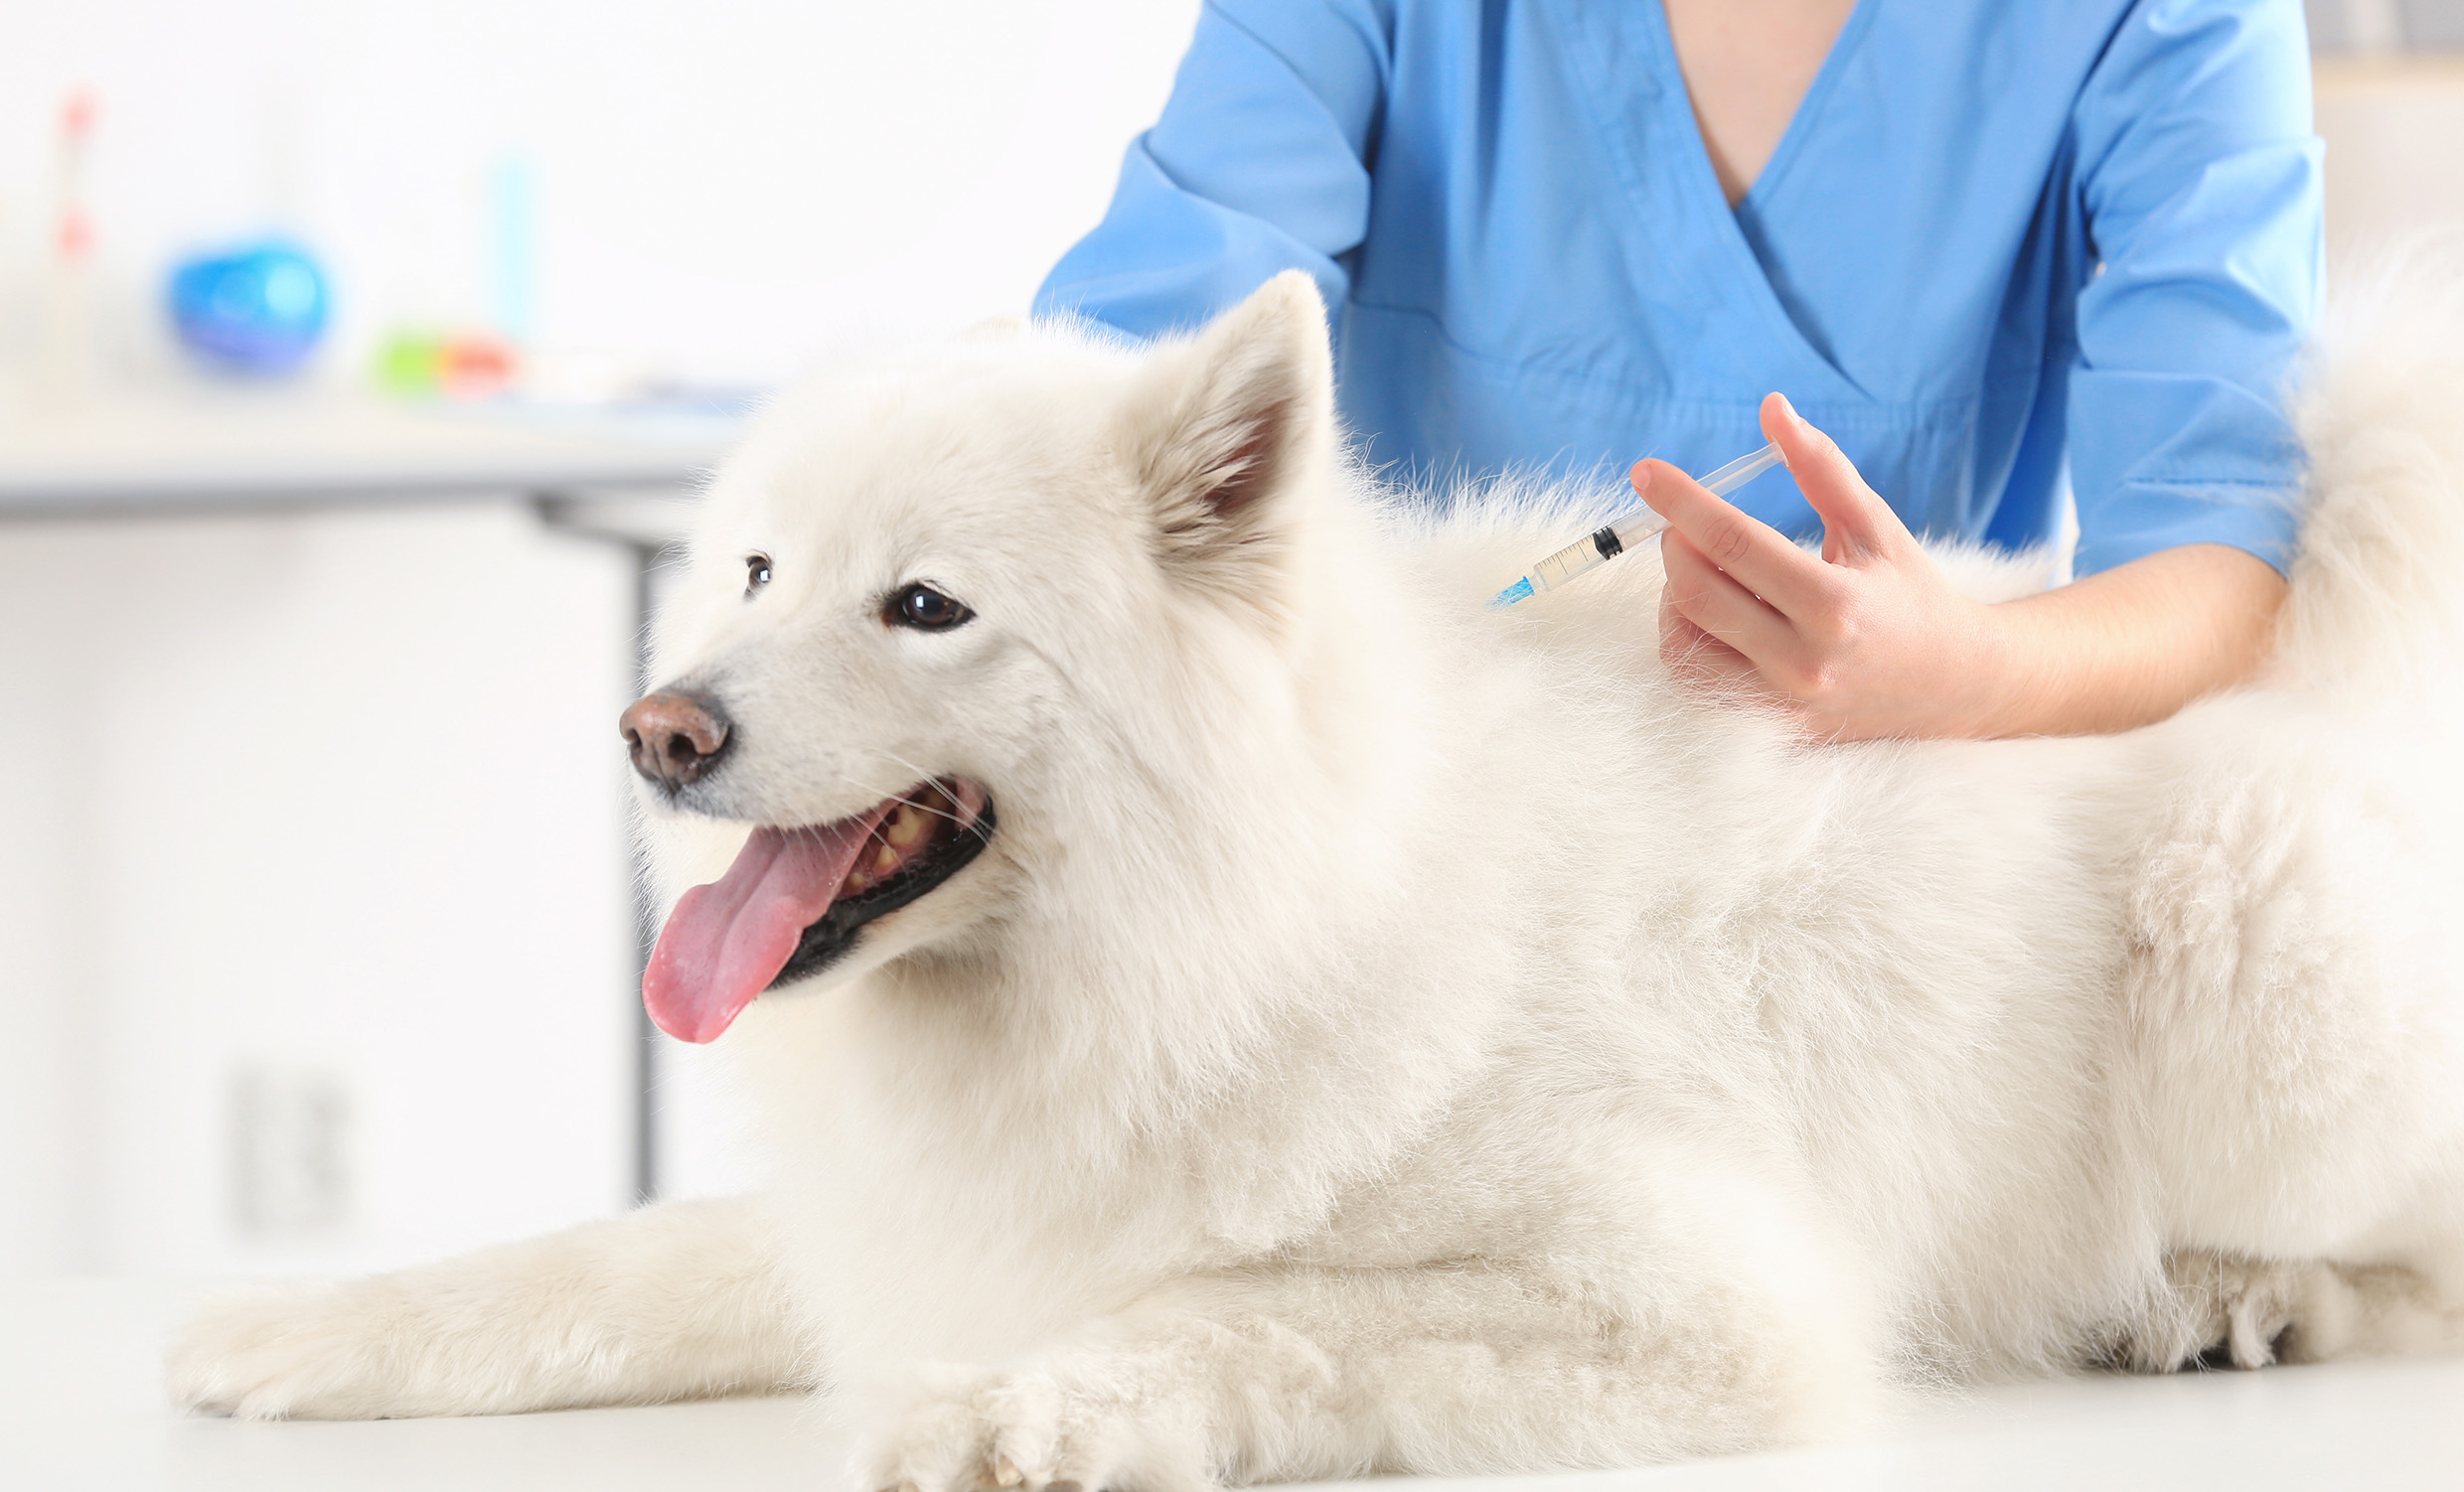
<point>973,825</point>
<point>914,801</point>
<point>902,796</point>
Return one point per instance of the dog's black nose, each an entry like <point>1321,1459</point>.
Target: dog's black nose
<point>676,737</point>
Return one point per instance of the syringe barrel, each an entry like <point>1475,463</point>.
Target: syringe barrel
<point>1611,539</point>
<point>1576,559</point>
<point>1596,548</point>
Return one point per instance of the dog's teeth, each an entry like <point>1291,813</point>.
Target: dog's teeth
<point>885,860</point>
<point>858,880</point>
<point>906,826</point>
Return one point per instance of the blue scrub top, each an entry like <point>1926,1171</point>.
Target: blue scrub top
<point>1998,236</point>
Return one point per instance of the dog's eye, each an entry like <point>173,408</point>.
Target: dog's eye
<point>926,610</point>
<point>756,573</point>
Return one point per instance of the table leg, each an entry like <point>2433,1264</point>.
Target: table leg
<point>645,928</point>
<point>575,515</point>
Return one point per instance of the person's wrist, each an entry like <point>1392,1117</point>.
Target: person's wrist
<point>2009,681</point>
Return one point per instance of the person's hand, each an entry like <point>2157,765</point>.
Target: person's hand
<point>1867,639</point>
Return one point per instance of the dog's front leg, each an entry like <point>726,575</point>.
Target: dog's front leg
<point>669,1303</point>
<point>1292,1374</point>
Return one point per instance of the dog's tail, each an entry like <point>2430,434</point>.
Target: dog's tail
<point>2378,585</point>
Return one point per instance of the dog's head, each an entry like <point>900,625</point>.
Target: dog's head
<point>932,610</point>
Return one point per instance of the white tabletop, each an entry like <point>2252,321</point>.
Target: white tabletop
<point>81,1406</point>
<point>189,448</point>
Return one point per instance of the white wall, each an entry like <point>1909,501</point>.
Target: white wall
<point>2393,128</point>
<point>731,183</point>
<point>334,800</point>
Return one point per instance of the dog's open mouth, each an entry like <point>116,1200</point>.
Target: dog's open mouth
<point>796,898</point>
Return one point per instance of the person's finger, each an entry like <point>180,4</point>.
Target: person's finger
<point>1715,602</point>
<point>1758,556</point>
<point>1701,659</point>
<point>1856,521</point>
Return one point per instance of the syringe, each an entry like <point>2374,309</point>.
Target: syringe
<point>1604,544</point>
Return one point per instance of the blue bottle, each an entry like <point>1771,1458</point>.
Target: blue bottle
<point>255,308</point>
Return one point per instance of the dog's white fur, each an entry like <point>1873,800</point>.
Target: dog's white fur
<point>1385,1032</point>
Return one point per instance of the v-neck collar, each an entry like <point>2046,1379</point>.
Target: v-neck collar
<point>1800,122</point>
<point>1629,58</point>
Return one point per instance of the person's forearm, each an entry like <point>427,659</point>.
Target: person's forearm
<point>2135,644</point>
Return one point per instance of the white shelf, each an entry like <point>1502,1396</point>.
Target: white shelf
<point>217,449</point>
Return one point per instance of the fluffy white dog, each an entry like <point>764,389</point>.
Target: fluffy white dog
<point>1226,1005</point>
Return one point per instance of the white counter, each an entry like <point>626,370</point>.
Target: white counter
<point>201,447</point>
<point>81,1406</point>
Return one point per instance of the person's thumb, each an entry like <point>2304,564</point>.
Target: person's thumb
<point>1855,519</point>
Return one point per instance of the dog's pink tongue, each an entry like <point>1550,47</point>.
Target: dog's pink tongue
<point>725,942</point>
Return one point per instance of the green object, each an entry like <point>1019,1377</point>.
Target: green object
<point>411,363</point>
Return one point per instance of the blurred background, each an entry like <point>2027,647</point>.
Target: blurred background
<point>352,358</point>
<point>315,949</point>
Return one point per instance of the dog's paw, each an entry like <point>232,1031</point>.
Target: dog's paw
<point>2225,1310</point>
<point>964,1429</point>
<point>311,1353</point>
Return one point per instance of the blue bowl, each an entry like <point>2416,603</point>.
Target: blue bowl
<point>259,308</point>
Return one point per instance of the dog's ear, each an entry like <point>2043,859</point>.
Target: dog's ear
<point>1226,427</point>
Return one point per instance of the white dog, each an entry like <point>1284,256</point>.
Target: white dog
<point>1226,1005</point>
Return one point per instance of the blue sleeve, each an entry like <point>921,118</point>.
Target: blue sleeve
<point>2200,182</point>
<point>1258,166</point>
